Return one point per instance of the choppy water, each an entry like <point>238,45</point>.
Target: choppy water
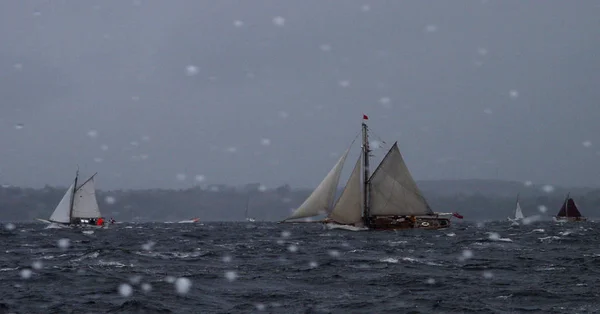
<point>265,267</point>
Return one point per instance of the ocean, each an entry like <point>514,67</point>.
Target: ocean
<point>262,267</point>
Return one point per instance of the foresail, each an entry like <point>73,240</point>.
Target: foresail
<point>85,204</point>
<point>348,208</point>
<point>569,209</point>
<point>319,202</point>
<point>518,212</point>
<point>61,212</point>
<point>393,190</point>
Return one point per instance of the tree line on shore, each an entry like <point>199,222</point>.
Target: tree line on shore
<point>225,203</point>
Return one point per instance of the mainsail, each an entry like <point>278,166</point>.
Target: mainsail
<point>518,211</point>
<point>569,209</point>
<point>393,190</point>
<point>85,204</point>
<point>319,202</point>
<point>348,208</point>
<point>82,204</point>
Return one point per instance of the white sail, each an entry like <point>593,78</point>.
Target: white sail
<point>518,212</point>
<point>393,190</point>
<point>62,211</point>
<point>348,208</point>
<point>319,202</point>
<point>85,204</point>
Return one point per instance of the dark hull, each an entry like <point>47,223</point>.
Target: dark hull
<point>421,222</point>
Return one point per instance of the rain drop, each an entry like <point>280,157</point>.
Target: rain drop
<point>430,281</point>
<point>283,114</point>
<point>293,248</point>
<point>26,273</point>
<point>514,94</point>
<point>191,70</point>
<point>265,142</point>
<point>278,21</point>
<point>528,183</point>
<point>183,285</point>
<point>110,200</point>
<point>488,274</point>
<point>125,290</point>
<point>333,253</point>
<point>262,188</point>
<point>64,243</point>
<point>19,126</point>
<point>365,8</point>
<point>148,245</point>
<point>231,149</point>
<point>238,23</point>
<point>104,147</point>
<point>542,208</point>
<point>170,279</point>
<point>487,111</point>
<point>10,226</point>
<point>313,264</point>
<point>494,236</point>
<point>344,83</point>
<point>466,254</point>
<point>285,234</point>
<point>325,47</point>
<point>431,28</point>
<point>260,306</point>
<point>93,133</point>
<point>98,159</point>
<point>227,258</point>
<point>482,51</point>
<point>200,178</point>
<point>548,188</point>
<point>586,144</point>
<point>146,287</point>
<point>37,265</point>
<point>231,275</point>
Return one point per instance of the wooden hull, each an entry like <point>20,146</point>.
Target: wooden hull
<point>573,219</point>
<point>420,222</point>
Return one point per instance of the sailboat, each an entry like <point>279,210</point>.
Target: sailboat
<point>248,219</point>
<point>518,212</point>
<point>387,199</point>
<point>78,207</point>
<point>569,211</point>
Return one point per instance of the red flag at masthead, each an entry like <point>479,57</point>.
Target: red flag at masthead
<point>365,117</point>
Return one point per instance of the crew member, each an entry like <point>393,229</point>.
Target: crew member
<point>99,222</point>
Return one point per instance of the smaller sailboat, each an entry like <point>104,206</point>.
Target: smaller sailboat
<point>518,212</point>
<point>569,211</point>
<point>191,221</point>
<point>248,219</point>
<point>78,207</point>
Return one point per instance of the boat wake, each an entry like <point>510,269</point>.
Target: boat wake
<point>332,226</point>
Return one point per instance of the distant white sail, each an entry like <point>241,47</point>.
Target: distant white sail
<point>62,211</point>
<point>393,190</point>
<point>85,204</point>
<point>348,208</point>
<point>518,212</point>
<point>319,202</point>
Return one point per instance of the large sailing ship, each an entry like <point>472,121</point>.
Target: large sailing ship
<point>78,207</point>
<point>387,199</point>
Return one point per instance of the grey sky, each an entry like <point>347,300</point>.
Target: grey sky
<point>475,88</point>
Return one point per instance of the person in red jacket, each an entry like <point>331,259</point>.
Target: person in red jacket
<point>100,221</point>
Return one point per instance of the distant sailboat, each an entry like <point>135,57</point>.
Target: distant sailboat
<point>248,219</point>
<point>388,199</point>
<point>569,211</point>
<point>78,207</point>
<point>518,212</point>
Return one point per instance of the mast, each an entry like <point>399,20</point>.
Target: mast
<point>366,183</point>
<point>73,195</point>
<point>247,203</point>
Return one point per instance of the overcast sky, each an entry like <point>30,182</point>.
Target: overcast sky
<point>272,91</point>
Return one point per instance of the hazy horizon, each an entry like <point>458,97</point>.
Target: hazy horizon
<point>143,92</point>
